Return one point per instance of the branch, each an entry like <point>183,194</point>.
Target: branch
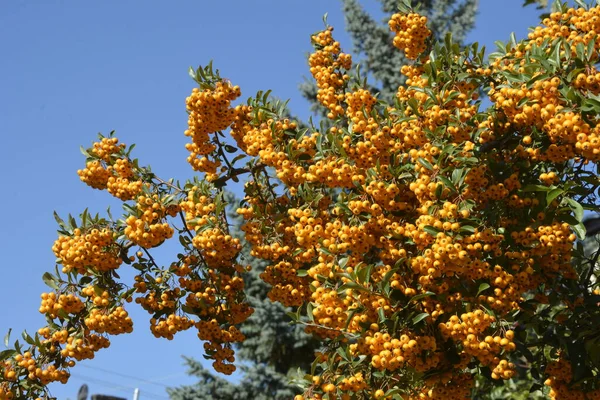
<point>167,183</point>
<point>150,257</point>
<point>221,152</point>
<point>232,173</point>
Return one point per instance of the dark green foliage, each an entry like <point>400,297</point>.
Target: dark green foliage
<point>260,382</point>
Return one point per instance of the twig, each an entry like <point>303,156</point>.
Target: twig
<point>150,257</point>
<point>232,173</point>
<point>221,152</point>
<point>167,183</point>
<point>271,189</point>
<point>185,227</point>
<point>350,335</point>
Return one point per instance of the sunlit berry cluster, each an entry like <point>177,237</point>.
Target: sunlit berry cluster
<point>209,112</point>
<point>109,168</point>
<point>93,249</point>
<point>53,304</point>
<point>411,32</point>
<point>148,228</point>
<point>113,322</point>
<point>327,66</point>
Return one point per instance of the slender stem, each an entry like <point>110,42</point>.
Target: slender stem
<point>329,329</point>
<point>271,189</point>
<point>150,257</point>
<point>185,227</point>
<point>232,173</point>
<point>167,183</point>
<point>221,152</point>
<point>191,235</point>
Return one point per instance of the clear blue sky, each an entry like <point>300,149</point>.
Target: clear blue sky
<point>71,69</point>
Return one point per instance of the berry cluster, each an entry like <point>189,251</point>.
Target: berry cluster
<point>411,32</point>
<point>148,228</point>
<point>84,249</point>
<point>109,168</point>
<point>209,112</point>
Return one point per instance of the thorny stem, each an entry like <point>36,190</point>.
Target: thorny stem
<point>167,183</point>
<point>185,227</point>
<point>347,334</point>
<point>150,257</point>
<point>232,173</point>
<point>221,152</point>
<point>259,191</point>
<point>271,189</point>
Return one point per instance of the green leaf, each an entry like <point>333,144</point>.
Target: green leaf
<point>187,309</point>
<point>482,287</point>
<point>569,219</point>
<point>433,231</point>
<point>438,191</point>
<point>292,315</point>
<point>590,105</point>
<point>342,262</point>
<point>579,230</point>
<point>419,318</point>
<point>553,194</point>
<point>342,353</point>
<point>309,311</point>
<point>50,280</point>
<point>302,272</point>
<point>84,152</point>
<point>364,274</point>
<point>7,337</point>
<point>59,221</point>
<point>425,163</point>
<point>28,338</point>
<point>353,286</point>
<point>447,183</point>
<point>590,49</point>
<point>467,229</point>
<point>5,354</point>
<point>556,6</point>
<point>414,105</point>
<point>579,51</point>
<point>381,315</point>
<point>237,158</point>
<point>536,188</point>
<point>577,209</point>
<point>421,296</point>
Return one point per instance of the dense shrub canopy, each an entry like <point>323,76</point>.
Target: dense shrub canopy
<point>427,242</point>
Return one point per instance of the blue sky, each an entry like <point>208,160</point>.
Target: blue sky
<point>71,69</point>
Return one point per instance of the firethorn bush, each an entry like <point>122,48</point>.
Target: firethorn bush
<point>431,244</point>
